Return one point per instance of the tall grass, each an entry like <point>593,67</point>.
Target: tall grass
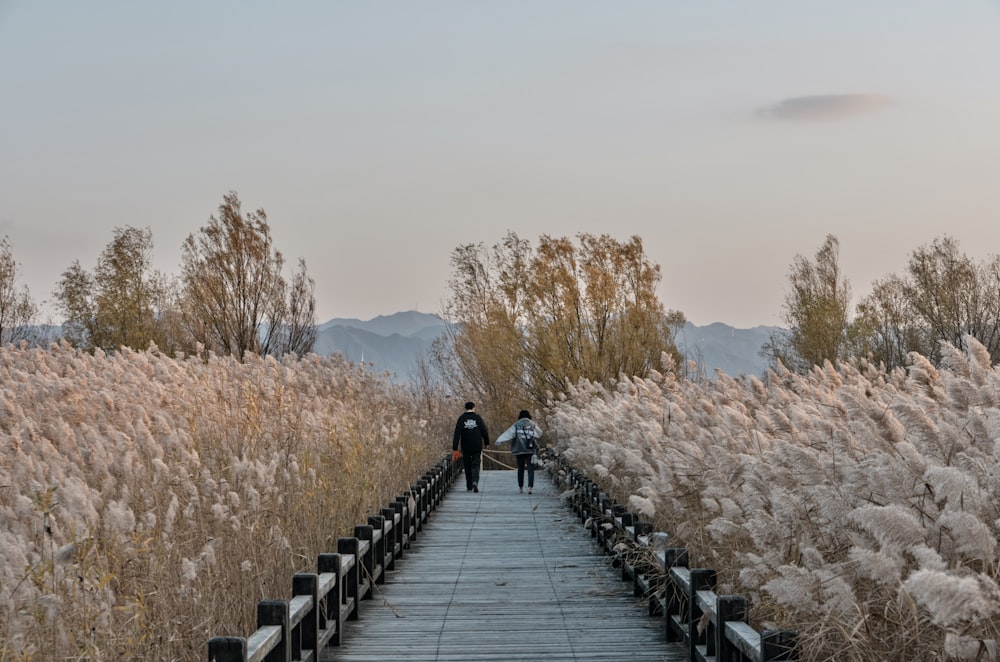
<point>147,503</point>
<point>858,506</point>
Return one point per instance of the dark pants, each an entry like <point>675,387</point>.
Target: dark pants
<point>471,465</point>
<point>524,462</point>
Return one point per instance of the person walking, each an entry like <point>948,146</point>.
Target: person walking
<point>523,436</point>
<point>471,434</point>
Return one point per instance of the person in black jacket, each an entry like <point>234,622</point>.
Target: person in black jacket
<point>471,434</point>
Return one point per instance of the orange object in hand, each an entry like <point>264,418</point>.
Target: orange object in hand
<point>455,455</point>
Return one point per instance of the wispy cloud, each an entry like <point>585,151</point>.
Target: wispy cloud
<point>824,107</point>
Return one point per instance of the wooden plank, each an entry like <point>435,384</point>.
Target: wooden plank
<point>499,575</point>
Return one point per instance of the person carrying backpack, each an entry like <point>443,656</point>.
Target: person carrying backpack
<point>523,436</point>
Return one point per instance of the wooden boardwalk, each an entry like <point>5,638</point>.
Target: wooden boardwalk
<point>498,575</point>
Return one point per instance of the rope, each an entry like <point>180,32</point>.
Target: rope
<point>493,456</point>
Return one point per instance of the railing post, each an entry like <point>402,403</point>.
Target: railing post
<point>333,563</point>
<point>643,567</point>
<point>778,645</point>
<point>308,584</point>
<point>702,579</point>
<point>275,612</point>
<point>396,509</point>
<point>389,517</point>
<point>408,526</point>
<point>728,608</point>
<point>227,649</point>
<point>352,580</point>
<point>421,496</point>
<point>628,519</point>
<point>377,522</point>
<point>673,598</point>
<point>431,489</point>
<point>366,533</point>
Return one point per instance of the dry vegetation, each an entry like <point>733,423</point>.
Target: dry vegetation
<point>856,506</point>
<point>148,503</point>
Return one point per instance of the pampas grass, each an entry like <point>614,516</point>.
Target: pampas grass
<point>148,503</point>
<point>854,505</point>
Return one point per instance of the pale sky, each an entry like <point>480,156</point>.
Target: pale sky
<point>378,136</point>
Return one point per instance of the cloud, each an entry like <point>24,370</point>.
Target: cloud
<point>824,107</point>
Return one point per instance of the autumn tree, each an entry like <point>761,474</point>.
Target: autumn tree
<point>486,310</point>
<point>17,309</point>
<point>816,310</point>
<point>953,297</point>
<point>235,299</point>
<point>525,321</point>
<point>943,297</point>
<point>885,328</point>
<point>120,302</point>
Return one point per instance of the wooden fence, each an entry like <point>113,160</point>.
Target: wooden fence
<point>296,630</point>
<point>713,627</point>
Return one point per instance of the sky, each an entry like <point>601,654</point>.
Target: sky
<point>731,136</point>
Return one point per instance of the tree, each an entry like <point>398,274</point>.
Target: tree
<point>486,310</point>
<point>525,321</point>
<point>120,303</point>
<point>816,310</point>
<point>885,328</point>
<point>953,297</point>
<point>235,299</point>
<point>17,309</point>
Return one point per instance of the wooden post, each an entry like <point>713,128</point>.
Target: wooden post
<point>352,580</point>
<point>409,526</point>
<point>400,530</point>
<point>702,579</point>
<point>367,571</point>
<point>673,598</point>
<point>628,519</point>
<point>643,567</point>
<point>778,645</point>
<point>421,503</point>
<point>389,517</point>
<point>275,612</point>
<point>227,649</point>
<point>377,522</point>
<point>308,584</point>
<point>334,599</point>
<point>728,608</point>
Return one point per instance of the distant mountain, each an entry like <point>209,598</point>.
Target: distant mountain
<point>391,343</point>
<point>407,324</point>
<point>395,343</point>
<point>720,346</point>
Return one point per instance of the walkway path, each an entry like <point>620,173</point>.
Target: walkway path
<point>503,576</point>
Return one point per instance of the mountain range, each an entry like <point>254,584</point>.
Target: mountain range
<point>395,343</point>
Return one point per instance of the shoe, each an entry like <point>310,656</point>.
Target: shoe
<point>529,490</point>
<point>468,489</point>
<point>475,487</point>
<point>521,490</point>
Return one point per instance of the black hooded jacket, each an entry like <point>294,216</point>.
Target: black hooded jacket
<point>470,434</point>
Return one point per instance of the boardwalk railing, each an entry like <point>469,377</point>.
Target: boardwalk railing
<point>296,630</point>
<point>713,627</point>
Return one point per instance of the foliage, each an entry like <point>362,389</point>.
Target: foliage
<point>943,297</point>
<point>852,504</point>
<point>148,503</point>
<point>526,321</point>
<point>235,299</point>
<point>816,310</point>
<point>17,309</point>
<point>118,304</point>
